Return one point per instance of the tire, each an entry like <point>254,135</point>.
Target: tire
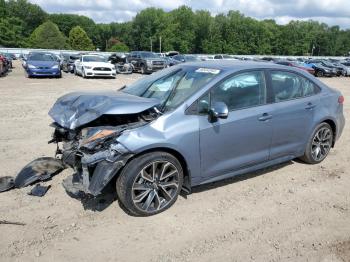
<point>319,144</point>
<point>319,73</point>
<point>26,74</point>
<point>60,75</point>
<point>143,194</point>
<point>143,69</point>
<point>83,73</point>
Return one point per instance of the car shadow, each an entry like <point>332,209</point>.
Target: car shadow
<point>109,194</point>
<point>98,203</point>
<point>239,178</point>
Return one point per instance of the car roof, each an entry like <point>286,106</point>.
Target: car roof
<point>235,65</point>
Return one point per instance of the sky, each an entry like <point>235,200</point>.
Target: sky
<point>332,12</point>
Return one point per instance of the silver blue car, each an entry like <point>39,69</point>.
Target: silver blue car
<point>193,124</point>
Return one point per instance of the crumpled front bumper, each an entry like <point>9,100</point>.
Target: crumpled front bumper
<point>96,171</point>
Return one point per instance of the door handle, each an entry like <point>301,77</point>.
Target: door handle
<point>265,117</point>
<point>310,106</point>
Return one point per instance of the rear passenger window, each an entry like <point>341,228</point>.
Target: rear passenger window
<point>241,91</point>
<point>287,86</point>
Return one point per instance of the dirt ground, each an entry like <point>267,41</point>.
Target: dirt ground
<point>292,212</point>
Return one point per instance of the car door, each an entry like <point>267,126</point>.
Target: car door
<point>243,139</point>
<point>295,101</point>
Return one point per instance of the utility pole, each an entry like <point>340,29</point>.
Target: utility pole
<point>160,44</point>
<point>151,43</point>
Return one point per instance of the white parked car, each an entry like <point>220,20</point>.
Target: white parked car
<point>94,65</point>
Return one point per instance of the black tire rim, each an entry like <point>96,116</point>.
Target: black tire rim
<point>320,73</point>
<point>321,143</point>
<point>155,187</point>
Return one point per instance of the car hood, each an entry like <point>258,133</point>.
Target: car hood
<point>98,64</point>
<point>77,109</point>
<point>42,63</point>
<point>155,59</point>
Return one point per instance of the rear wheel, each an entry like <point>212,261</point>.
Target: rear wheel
<point>319,144</point>
<point>319,73</point>
<point>150,184</point>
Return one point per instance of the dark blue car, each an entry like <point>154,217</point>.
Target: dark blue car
<point>42,64</point>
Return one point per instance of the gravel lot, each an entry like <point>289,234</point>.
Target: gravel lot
<point>292,212</point>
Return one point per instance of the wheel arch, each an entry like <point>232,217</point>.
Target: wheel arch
<point>334,128</point>
<point>187,173</point>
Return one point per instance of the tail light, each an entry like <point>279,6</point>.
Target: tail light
<point>341,100</point>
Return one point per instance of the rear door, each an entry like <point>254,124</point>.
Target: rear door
<point>243,139</point>
<point>295,102</point>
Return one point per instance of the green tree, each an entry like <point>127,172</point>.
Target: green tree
<point>11,32</point>
<point>202,23</point>
<point>119,47</point>
<point>147,26</point>
<point>48,36</point>
<point>3,11</point>
<point>79,40</point>
<point>182,19</point>
<point>31,14</point>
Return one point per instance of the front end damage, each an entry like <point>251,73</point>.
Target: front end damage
<point>86,129</point>
<point>95,159</point>
<point>93,152</point>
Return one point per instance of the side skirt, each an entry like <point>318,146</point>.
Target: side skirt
<point>247,169</point>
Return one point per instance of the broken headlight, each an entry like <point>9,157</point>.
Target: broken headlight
<point>97,138</point>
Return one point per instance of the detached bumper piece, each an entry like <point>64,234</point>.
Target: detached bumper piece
<point>40,169</point>
<point>39,190</point>
<point>6,183</point>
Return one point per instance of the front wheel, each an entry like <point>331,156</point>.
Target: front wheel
<point>319,144</point>
<point>83,73</point>
<point>150,183</point>
<point>143,69</point>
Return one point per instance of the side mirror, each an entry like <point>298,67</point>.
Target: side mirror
<point>219,110</point>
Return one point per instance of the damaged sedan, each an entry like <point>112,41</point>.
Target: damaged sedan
<point>192,124</point>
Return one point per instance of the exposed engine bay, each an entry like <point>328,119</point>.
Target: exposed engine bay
<point>93,151</point>
<point>86,129</point>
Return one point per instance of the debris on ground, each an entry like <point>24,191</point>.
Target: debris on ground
<point>39,190</point>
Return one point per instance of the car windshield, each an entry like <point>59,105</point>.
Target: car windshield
<point>327,64</point>
<point>41,57</point>
<point>173,88</point>
<point>149,55</point>
<point>93,58</point>
<point>191,58</point>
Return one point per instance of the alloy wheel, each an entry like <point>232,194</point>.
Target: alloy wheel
<point>155,186</point>
<point>321,143</point>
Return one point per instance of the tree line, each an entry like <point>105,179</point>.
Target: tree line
<point>23,24</point>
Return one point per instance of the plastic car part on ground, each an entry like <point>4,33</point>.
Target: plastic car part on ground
<point>39,190</point>
<point>6,183</point>
<point>38,170</point>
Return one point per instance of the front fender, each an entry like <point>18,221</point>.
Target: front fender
<point>104,173</point>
